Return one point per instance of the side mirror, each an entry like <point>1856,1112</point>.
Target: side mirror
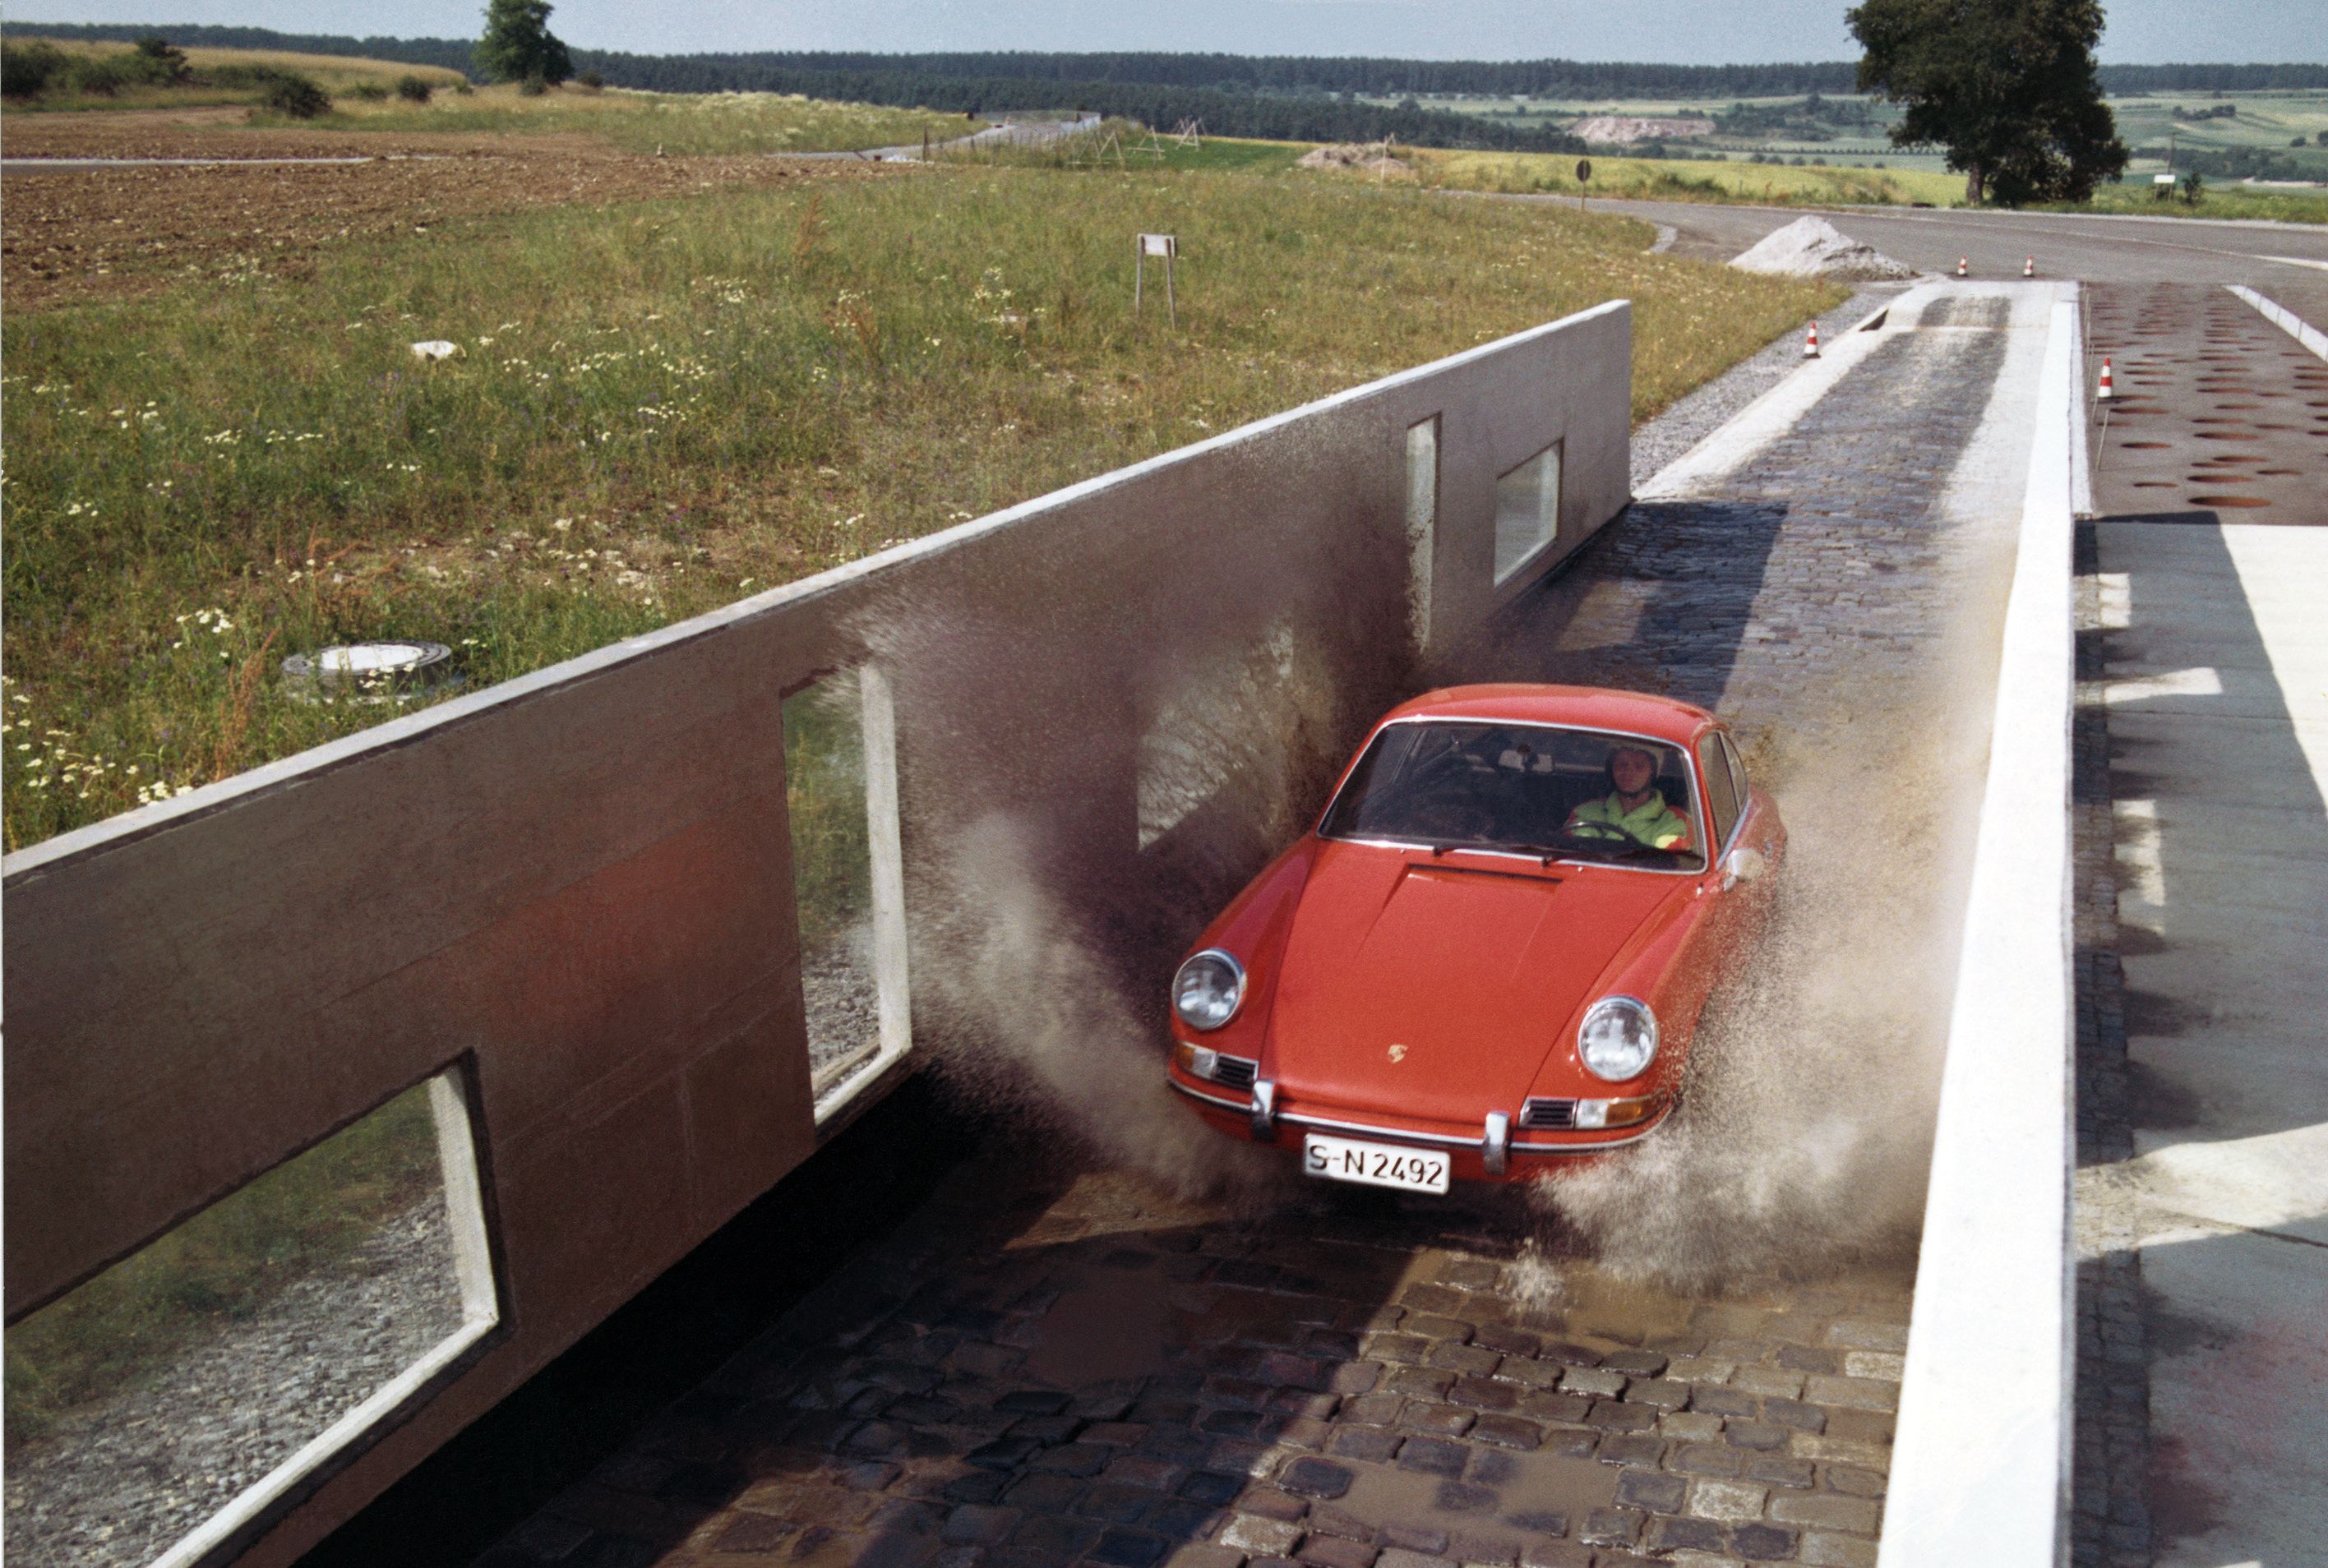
<point>1742,866</point>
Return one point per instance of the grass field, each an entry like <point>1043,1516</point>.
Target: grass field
<point>336,74</point>
<point>659,407</point>
<point>681,124</point>
<point>364,100</point>
<point>1125,147</point>
<point>1647,178</point>
<point>2220,199</point>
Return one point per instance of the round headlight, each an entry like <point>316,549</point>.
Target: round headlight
<point>1208,989</point>
<point>1617,1038</point>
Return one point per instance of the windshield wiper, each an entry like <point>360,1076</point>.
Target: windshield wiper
<point>1591,846</point>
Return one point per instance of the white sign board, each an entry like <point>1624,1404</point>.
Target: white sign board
<point>1158,245</point>
<point>2162,179</point>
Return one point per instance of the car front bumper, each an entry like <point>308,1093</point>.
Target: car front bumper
<point>1525,1155</point>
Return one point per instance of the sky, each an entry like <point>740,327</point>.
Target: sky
<point>1682,31</point>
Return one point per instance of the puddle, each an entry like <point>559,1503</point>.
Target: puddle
<point>1110,1326</point>
<point>1501,1505</point>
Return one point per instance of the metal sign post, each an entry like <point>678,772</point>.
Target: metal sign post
<point>1143,247</point>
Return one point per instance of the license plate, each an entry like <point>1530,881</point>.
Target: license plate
<point>1376,1164</point>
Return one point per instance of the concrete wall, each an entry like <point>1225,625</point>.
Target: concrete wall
<point>576,886</point>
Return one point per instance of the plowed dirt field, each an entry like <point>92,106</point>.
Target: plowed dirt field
<point>83,235</point>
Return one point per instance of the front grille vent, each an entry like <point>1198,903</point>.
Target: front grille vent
<point>1544,1115</point>
<point>1235,1071</point>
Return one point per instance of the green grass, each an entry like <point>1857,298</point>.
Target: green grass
<point>2220,199</point>
<point>824,806</point>
<point>1681,180</point>
<point>659,407</point>
<point>223,1264</point>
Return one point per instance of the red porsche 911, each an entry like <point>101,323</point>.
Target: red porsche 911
<point>1491,953</point>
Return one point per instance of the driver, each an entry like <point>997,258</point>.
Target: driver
<point>1635,806</point>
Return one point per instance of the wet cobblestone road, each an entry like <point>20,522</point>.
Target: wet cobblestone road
<point>1052,1365</point>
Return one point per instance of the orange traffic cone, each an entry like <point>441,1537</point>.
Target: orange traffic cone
<point>2029,267</point>
<point>1964,267</point>
<point>1810,343</point>
<point>2103,393</point>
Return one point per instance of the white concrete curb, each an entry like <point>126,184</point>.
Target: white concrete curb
<point>2285,320</point>
<point>2081,468</point>
<point>1980,1469</point>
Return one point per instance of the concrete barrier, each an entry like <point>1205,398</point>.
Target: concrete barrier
<point>573,892</point>
<point>2285,320</point>
<point>1980,1462</point>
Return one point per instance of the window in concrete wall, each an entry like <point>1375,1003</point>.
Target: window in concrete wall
<point>1233,722</point>
<point>1527,510</point>
<point>1421,524</point>
<point>161,1408</point>
<point>840,798</point>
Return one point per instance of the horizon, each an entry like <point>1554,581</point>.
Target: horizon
<point>1782,32</point>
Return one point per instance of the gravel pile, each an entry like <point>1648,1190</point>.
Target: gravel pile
<point>1811,246</point>
<point>1713,404</point>
<point>117,1482</point>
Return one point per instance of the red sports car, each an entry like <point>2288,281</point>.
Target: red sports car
<point>1490,955</point>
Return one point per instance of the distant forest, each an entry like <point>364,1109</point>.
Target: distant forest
<point>1293,96</point>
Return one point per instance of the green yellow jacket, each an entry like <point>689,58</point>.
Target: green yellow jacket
<point>1652,822</point>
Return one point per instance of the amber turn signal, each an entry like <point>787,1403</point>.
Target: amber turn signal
<point>1618,1113</point>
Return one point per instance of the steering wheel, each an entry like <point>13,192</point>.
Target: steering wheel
<point>1456,819</point>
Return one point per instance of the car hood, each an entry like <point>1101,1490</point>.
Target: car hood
<point>1436,989</point>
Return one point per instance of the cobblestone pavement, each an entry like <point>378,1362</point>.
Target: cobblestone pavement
<point>2110,1509</point>
<point>1699,414</point>
<point>1052,1365</point>
<point>1077,1368</point>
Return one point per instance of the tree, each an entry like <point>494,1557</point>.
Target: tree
<point>2007,86</point>
<point>165,60</point>
<point>518,45</point>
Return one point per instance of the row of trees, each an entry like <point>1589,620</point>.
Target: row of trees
<point>1304,74</point>
<point>1281,118</point>
<point>1562,79</point>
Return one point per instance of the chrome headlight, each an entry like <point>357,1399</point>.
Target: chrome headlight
<point>1617,1039</point>
<point>1208,989</point>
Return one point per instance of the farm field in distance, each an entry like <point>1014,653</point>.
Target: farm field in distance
<point>667,396</point>
<point>2265,121</point>
<point>337,74</point>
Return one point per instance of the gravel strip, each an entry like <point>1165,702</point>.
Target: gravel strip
<point>1710,407</point>
<point>120,1480</point>
<point>844,1008</point>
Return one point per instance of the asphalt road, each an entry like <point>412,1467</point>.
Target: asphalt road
<point>2288,262</point>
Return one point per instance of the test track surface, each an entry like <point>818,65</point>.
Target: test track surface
<point>1054,1364</point>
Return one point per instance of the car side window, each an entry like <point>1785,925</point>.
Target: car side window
<point>1737,773</point>
<point>1720,793</point>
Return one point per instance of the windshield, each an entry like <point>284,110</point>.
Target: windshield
<point>1525,789</point>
